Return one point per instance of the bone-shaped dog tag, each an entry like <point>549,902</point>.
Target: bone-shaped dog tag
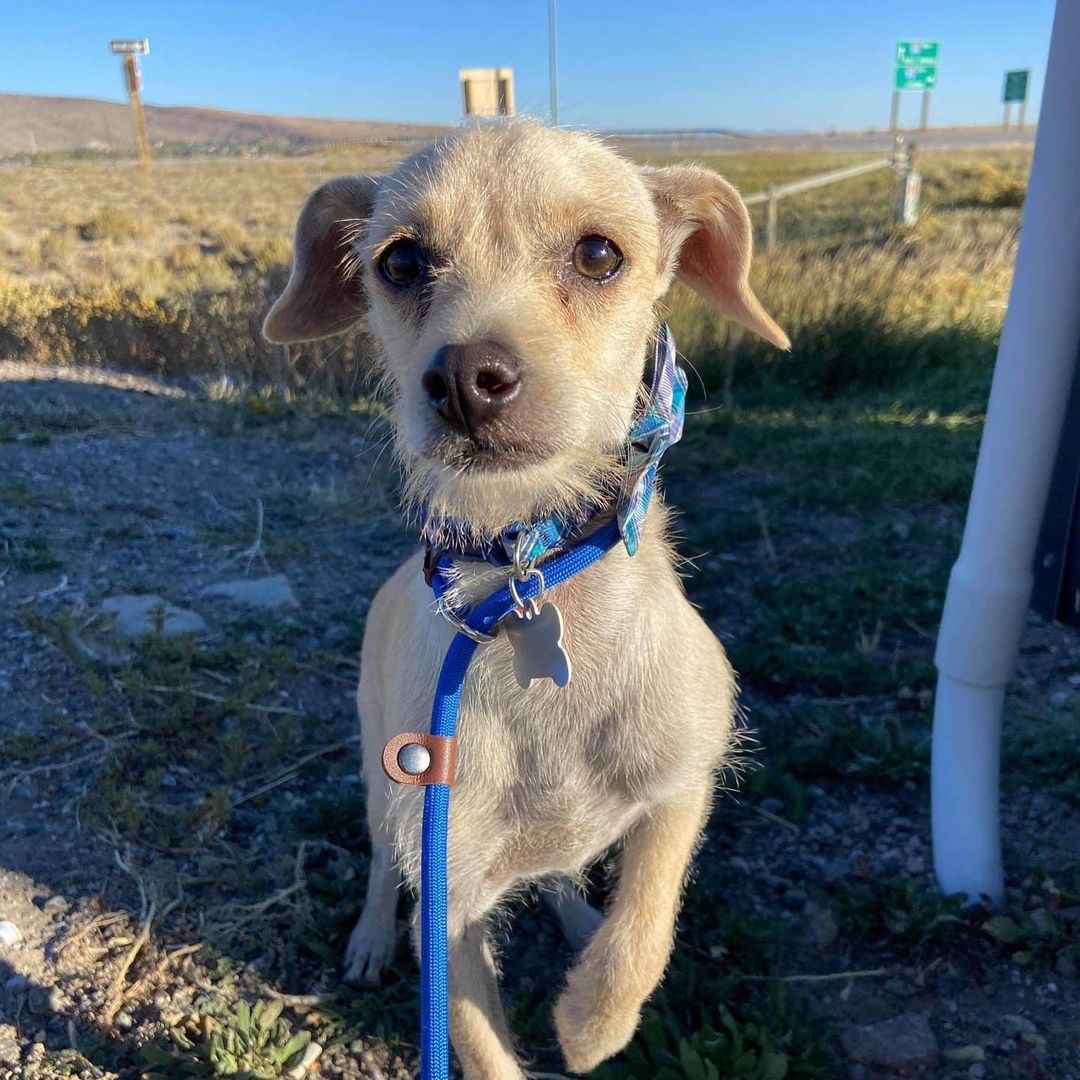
<point>536,638</point>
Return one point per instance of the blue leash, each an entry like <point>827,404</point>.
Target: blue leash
<point>434,973</point>
<point>656,429</point>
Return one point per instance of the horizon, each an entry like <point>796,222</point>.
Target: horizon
<point>622,67</point>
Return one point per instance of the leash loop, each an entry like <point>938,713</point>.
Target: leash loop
<point>461,626</point>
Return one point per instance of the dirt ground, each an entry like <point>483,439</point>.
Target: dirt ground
<point>181,825</point>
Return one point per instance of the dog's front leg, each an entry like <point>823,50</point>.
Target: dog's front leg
<point>477,1022</point>
<point>597,1013</point>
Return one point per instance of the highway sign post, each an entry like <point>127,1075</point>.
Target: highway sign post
<point>1015,89</point>
<point>129,50</point>
<point>916,68</point>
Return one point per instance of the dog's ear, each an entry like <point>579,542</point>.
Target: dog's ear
<point>706,241</point>
<point>325,294</point>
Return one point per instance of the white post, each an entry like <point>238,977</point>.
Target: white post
<point>990,585</point>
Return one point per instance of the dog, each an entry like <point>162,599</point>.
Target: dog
<point>510,275</point>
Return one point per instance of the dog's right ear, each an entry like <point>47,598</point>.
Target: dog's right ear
<point>325,294</point>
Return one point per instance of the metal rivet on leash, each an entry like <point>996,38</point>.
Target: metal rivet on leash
<point>414,759</point>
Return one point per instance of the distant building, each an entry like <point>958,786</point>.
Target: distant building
<point>487,91</point>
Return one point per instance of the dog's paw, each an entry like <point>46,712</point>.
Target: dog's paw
<point>368,954</point>
<point>590,1028</point>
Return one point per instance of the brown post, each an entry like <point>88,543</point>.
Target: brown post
<point>131,77</point>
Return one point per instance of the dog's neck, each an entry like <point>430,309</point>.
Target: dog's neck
<point>520,543</point>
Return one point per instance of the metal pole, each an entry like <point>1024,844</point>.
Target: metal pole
<point>553,63</point>
<point>894,122</point>
<point>771,202</point>
<point>1023,113</point>
<point>924,120</point>
<point>1008,116</point>
<point>990,585</point>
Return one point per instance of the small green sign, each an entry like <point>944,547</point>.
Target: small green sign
<point>916,65</point>
<point>1016,86</point>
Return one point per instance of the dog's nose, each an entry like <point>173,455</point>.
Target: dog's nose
<point>471,385</point>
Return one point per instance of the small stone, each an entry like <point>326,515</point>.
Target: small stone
<point>902,1042</point>
<point>9,934</point>
<point>823,927</point>
<point>124,1020</point>
<point>140,615</point>
<point>162,999</point>
<point>265,592</point>
<point>10,1052</point>
<point>55,904</point>
<point>1018,1025</point>
<point>16,984</point>
<point>970,1052</point>
<point>977,1071</point>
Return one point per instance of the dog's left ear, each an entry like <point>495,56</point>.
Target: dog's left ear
<point>325,294</point>
<point>706,240</point>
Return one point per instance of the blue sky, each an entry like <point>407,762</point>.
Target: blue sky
<point>751,64</point>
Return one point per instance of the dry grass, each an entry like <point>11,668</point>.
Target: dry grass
<point>172,270</point>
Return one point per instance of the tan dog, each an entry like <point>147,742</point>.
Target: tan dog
<point>510,275</point>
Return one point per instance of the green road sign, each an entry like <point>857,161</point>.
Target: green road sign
<point>916,78</point>
<point>916,52</point>
<point>916,65</point>
<point>1016,86</point>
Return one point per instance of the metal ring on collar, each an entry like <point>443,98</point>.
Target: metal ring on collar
<point>461,626</point>
<point>521,567</point>
<point>532,572</point>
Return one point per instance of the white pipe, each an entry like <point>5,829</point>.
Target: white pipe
<point>990,585</point>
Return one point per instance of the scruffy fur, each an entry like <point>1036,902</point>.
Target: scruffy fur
<point>548,779</point>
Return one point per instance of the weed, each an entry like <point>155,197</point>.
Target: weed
<point>903,914</point>
<point>29,552</point>
<point>256,1043</point>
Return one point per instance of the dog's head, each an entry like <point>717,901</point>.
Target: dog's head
<point>510,274</point>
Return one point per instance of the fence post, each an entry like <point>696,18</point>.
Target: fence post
<point>909,184</point>
<point>770,216</point>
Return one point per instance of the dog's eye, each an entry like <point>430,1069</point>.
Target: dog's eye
<point>596,258</point>
<point>403,262</point>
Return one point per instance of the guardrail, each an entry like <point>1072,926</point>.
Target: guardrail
<point>902,161</point>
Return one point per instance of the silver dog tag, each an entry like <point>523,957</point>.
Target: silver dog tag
<point>536,637</point>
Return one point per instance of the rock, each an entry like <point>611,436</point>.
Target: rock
<point>905,1041</point>
<point>124,1020</point>
<point>55,903</point>
<point>139,615</point>
<point>265,592</point>
<point>16,984</point>
<point>823,928</point>
<point>10,1052</point>
<point>1018,1025</point>
<point>970,1052</point>
<point>9,933</point>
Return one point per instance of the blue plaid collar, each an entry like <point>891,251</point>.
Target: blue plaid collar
<point>659,426</point>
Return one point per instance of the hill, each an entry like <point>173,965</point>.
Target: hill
<point>30,123</point>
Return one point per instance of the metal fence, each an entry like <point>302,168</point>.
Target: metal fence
<point>904,197</point>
